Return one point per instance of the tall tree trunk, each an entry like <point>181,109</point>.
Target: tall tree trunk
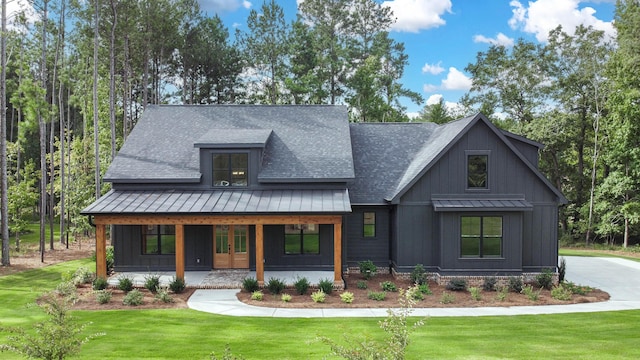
<point>125,87</point>
<point>43,135</point>
<point>62,131</point>
<point>96,130</point>
<point>4,195</point>
<point>112,79</point>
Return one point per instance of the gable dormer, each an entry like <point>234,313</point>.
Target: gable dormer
<point>232,157</point>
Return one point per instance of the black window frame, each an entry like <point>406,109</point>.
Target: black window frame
<point>305,232</point>
<point>482,237</point>
<point>168,232</point>
<point>474,154</point>
<point>368,226</point>
<point>229,169</point>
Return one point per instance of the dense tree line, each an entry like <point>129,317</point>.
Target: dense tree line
<point>80,73</point>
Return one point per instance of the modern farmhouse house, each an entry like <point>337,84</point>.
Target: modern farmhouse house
<point>300,188</point>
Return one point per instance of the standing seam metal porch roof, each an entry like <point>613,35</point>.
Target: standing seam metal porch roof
<point>220,202</point>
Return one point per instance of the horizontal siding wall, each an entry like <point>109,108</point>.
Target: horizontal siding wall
<point>360,248</point>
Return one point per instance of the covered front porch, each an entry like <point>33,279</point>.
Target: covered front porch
<point>222,279</point>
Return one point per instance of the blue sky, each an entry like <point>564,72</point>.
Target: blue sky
<point>443,36</point>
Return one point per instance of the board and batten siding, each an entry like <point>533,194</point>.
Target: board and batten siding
<point>360,248</point>
<point>418,231</point>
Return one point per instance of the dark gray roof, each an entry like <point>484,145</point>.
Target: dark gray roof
<point>481,205</point>
<point>234,138</point>
<point>221,202</point>
<point>308,143</point>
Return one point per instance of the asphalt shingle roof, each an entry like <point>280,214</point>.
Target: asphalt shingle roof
<point>307,143</point>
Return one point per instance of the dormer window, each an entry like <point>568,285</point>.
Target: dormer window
<point>230,169</point>
<point>477,170</point>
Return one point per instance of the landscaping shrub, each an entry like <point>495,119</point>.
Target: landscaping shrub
<point>110,259</point>
<point>502,293</point>
<point>347,297</point>
<point>285,298</point>
<point>475,293</point>
<point>103,296</point>
<point>125,284</point>
<point>162,294</point>
<point>177,285</point>
<point>81,275</point>
<point>67,289</point>
<point>447,298</point>
<point>545,279</point>
<point>361,284</point>
<point>275,286</point>
<point>250,284</point>
<point>318,296</point>
<point>152,283</point>
<point>515,284</point>
<point>257,295</point>
<point>301,285</point>
<point>562,270</point>
<point>577,289</point>
<point>388,286</point>
<point>424,289</point>
<point>489,283</point>
<point>367,268</point>
<point>418,275</point>
<point>561,293</point>
<point>417,295</point>
<point>457,284</point>
<point>531,294</point>
<point>133,298</point>
<point>100,283</point>
<point>326,286</point>
<point>377,295</point>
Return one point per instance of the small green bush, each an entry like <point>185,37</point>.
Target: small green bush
<point>257,295</point>
<point>447,298</point>
<point>152,283</point>
<point>530,293</point>
<point>362,285</point>
<point>377,295</point>
<point>502,293</point>
<point>285,298</point>
<point>545,279</point>
<point>301,285</point>
<point>418,275</point>
<point>110,259</point>
<point>275,286</point>
<point>133,298</point>
<point>417,295</point>
<point>475,292</point>
<point>388,286</point>
<point>125,283</point>
<point>318,296</point>
<point>162,294</point>
<point>347,297</point>
<point>367,268</point>
<point>577,289</point>
<point>100,283</point>
<point>326,286</point>
<point>562,270</point>
<point>81,275</point>
<point>424,289</point>
<point>561,293</point>
<point>489,283</point>
<point>515,284</point>
<point>103,296</point>
<point>457,284</point>
<point>67,289</point>
<point>177,285</point>
<point>250,284</point>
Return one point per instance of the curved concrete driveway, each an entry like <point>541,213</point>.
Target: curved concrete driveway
<point>619,277</point>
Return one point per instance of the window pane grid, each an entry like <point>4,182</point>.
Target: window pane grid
<point>481,236</point>
<point>301,239</point>
<point>158,239</point>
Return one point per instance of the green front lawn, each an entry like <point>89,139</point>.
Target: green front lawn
<point>188,334</point>
<point>597,253</point>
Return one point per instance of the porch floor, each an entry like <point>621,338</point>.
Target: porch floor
<point>222,279</point>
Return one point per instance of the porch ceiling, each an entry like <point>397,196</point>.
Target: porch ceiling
<point>223,202</point>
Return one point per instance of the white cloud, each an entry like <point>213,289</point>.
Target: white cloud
<point>500,40</point>
<point>219,6</point>
<point>455,80</point>
<point>434,69</point>
<point>415,15</point>
<point>434,99</point>
<point>541,16</point>
<point>246,4</point>
<point>17,6</point>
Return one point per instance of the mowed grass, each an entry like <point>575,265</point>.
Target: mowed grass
<point>188,334</point>
<point>593,253</point>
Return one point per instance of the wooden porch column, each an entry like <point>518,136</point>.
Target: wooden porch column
<point>101,251</point>
<point>337,254</point>
<point>180,251</point>
<point>260,254</point>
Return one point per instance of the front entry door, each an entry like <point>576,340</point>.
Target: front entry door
<point>230,248</point>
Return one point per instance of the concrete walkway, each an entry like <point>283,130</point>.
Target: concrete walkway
<point>619,277</point>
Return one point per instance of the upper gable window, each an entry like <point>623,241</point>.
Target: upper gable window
<point>477,171</point>
<point>231,169</point>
